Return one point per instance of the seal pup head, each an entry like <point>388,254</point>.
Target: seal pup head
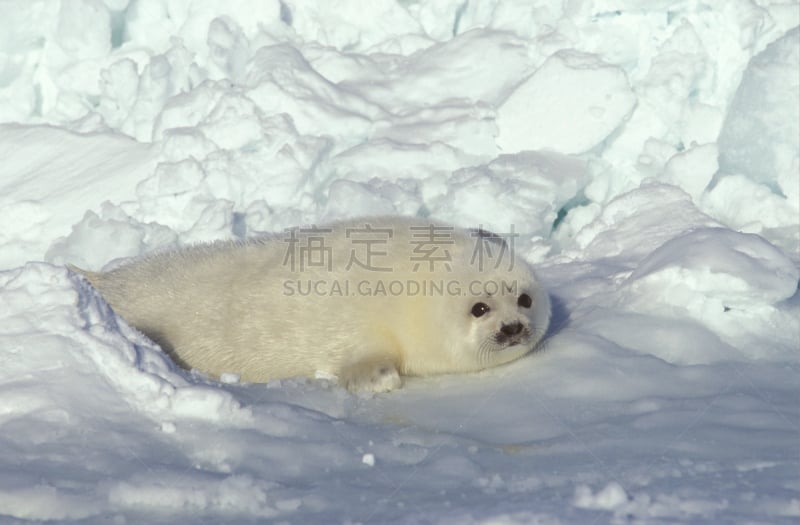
<point>506,320</point>
<point>502,313</point>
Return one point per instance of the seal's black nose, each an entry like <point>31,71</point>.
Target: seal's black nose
<point>512,329</point>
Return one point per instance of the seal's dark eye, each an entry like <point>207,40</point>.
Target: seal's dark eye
<point>525,301</point>
<point>478,309</point>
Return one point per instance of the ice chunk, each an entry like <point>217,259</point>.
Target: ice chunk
<point>733,283</point>
<point>692,169</point>
<point>570,104</point>
<point>745,204</point>
<point>736,269</point>
<point>73,173</point>
<point>355,199</point>
<point>524,191</point>
<point>761,135</point>
<point>636,223</point>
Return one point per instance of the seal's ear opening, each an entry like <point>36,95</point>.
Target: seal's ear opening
<point>480,233</point>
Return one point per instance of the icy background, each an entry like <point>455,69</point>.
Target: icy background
<point>648,152</point>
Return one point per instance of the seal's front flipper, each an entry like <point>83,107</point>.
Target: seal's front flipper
<point>373,374</point>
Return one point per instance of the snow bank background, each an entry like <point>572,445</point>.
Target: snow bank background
<point>648,153</point>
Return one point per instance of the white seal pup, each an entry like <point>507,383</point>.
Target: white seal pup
<point>366,301</point>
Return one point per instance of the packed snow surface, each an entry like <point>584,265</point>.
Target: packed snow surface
<point>647,153</point>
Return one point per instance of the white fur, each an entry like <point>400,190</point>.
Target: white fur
<point>226,307</point>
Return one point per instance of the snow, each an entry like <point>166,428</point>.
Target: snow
<point>647,154</point>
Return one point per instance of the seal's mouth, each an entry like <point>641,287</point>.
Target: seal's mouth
<point>507,342</point>
<point>501,348</point>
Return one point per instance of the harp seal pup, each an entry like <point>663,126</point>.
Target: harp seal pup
<point>366,301</point>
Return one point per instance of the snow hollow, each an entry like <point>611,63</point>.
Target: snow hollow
<point>648,153</point>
